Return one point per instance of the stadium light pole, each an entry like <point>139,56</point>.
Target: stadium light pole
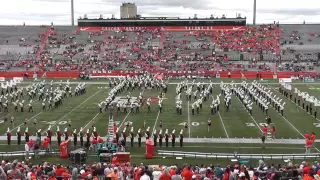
<point>72,13</point>
<point>254,11</point>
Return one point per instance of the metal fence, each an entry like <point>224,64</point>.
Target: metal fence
<point>237,156</point>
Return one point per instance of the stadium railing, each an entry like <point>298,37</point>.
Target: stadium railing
<point>24,153</point>
<point>237,156</point>
<point>223,74</point>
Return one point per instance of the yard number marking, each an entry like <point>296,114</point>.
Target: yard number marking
<point>316,124</point>
<point>193,124</point>
<point>250,124</point>
<point>1,121</point>
<point>261,124</point>
<point>54,122</point>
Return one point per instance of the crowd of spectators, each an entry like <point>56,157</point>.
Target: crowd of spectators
<point>156,49</point>
<point>101,171</point>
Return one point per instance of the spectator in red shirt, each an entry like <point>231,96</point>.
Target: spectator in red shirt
<point>165,175</point>
<point>59,171</point>
<point>187,173</point>
<point>226,174</point>
<point>173,170</point>
<point>307,135</point>
<point>306,169</point>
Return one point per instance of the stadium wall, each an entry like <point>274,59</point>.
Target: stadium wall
<point>224,74</point>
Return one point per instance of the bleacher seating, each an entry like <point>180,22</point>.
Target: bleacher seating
<point>254,48</point>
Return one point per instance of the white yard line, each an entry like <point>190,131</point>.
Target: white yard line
<point>293,102</point>
<point>84,128</point>
<point>155,124</point>
<point>250,115</point>
<point>124,120</point>
<point>288,122</point>
<point>19,108</point>
<point>73,110</point>
<point>189,121</point>
<point>224,127</point>
<point>27,121</point>
<point>296,129</point>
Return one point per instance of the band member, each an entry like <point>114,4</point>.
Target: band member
<point>273,132</point>
<point>173,138</point>
<point>19,136</point>
<point>192,108</point>
<point>166,138</point>
<point>139,137</point>
<point>30,106</point>
<point>148,104</point>
<point>160,107</point>
<point>100,107</point>
<point>66,134</point>
<point>209,124</point>
<point>95,133</point>
<point>35,122</point>
<point>148,133</point>
<point>8,136</point>
<point>128,125</point>
<point>269,121</point>
<point>75,137</point>
<point>69,123</point>
<point>263,139</point>
<point>88,138</point>
<point>181,138</point>
<point>93,141</point>
<point>12,121</point>
<point>186,125</point>
<point>124,136</point>
<point>131,136</point>
<point>155,137</point>
<point>49,133</point>
<point>117,136</point>
<point>81,136</point>
<point>59,134</point>
<point>313,136</point>
<point>39,135</point>
<point>25,122</point>
<point>26,135</point>
<point>160,137</point>
<point>161,124</point>
<point>144,124</point>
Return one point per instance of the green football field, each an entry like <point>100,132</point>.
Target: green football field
<point>237,123</point>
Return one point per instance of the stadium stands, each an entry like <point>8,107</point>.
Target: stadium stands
<point>266,47</point>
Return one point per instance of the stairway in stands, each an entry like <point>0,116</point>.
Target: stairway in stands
<point>44,42</point>
<point>162,37</point>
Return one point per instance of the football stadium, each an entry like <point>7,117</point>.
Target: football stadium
<point>160,95</point>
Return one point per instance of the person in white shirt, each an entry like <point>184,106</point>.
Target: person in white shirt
<point>107,170</point>
<point>145,176</point>
<point>156,173</point>
<point>27,149</point>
